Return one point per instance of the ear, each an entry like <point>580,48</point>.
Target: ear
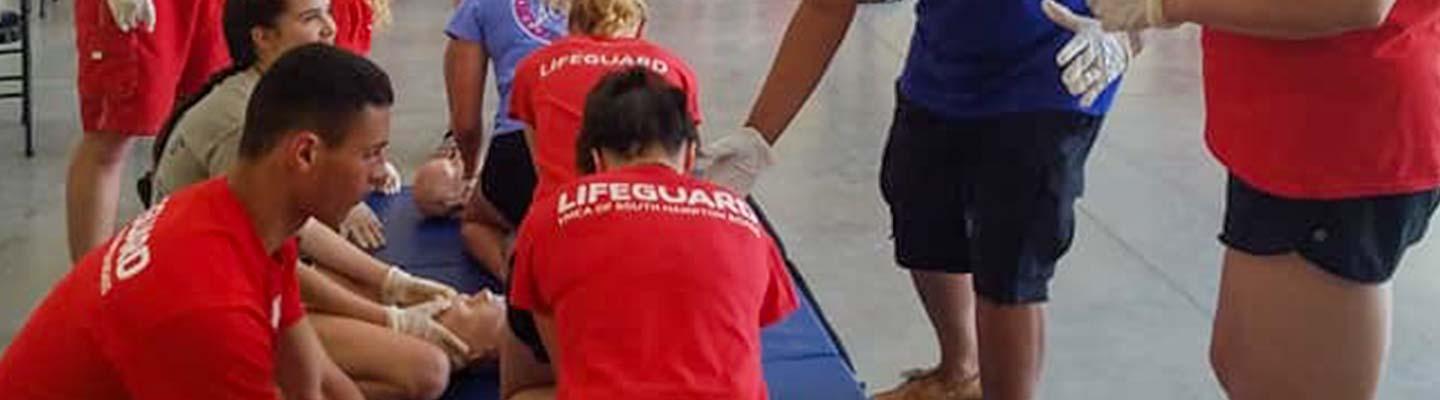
<point>260,38</point>
<point>302,149</point>
<point>599,160</point>
<point>692,150</point>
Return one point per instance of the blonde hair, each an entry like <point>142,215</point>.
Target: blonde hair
<point>380,10</point>
<point>602,17</point>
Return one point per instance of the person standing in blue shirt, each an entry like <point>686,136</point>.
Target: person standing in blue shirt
<point>997,108</point>
<point>496,33</point>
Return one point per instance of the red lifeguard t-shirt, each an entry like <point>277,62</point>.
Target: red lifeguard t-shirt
<point>354,25</point>
<point>658,284</point>
<point>1354,115</point>
<point>183,303</point>
<point>551,85</point>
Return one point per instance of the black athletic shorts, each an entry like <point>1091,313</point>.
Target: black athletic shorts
<point>1359,239</point>
<point>992,196</point>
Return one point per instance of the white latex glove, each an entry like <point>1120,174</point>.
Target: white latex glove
<point>1093,58</point>
<point>735,161</point>
<point>404,289</point>
<point>363,228</point>
<point>1130,15</point>
<point>391,183</point>
<point>131,14</point>
<point>419,321</point>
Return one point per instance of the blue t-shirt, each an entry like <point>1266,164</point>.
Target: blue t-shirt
<point>972,58</point>
<point>509,30</point>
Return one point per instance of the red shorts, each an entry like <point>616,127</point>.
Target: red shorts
<point>129,81</point>
<point>354,25</point>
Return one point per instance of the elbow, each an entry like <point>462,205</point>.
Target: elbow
<point>1372,17</point>
<point>315,394</point>
<point>834,7</point>
<point>1364,15</point>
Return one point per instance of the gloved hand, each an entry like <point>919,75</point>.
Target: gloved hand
<point>419,321</point>
<point>1093,58</point>
<point>1130,15</point>
<point>130,14</point>
<point>363,228</point>
<point>391,183</point>
<point>735,161</point>
<point>404,289</point>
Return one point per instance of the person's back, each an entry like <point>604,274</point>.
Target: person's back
<point>508,30</point>
<point>643,282</point>
<point>1375,130</point>
<point>105,330</point>
<point>976,58</point>
<point>659,284</point>
<point>551,84</point>
<point>203,141</point>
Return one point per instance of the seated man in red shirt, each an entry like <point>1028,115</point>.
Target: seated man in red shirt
<point>644,282</point>
<point>197,298</point>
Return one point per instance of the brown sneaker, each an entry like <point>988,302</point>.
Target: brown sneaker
<point>926,384</point>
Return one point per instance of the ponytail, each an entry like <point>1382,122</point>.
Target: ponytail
<point>602,17</point>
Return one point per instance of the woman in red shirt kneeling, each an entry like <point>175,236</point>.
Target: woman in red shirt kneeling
<point>644,282</point>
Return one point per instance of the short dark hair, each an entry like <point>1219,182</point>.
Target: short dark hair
<point>315,87</point>
<point>630,110</point>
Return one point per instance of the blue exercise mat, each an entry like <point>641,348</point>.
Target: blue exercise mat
<point>802,357</point>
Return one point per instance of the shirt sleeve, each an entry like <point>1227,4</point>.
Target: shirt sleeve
<point>467,23</point>
<point>223,353</point>
<point>522,91</point>
<point>291,308</point>
<point>524,289</point>
<point>780,293</point>
<point>692,94</point>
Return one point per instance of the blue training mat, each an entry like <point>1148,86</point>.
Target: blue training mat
<point>802,358</point>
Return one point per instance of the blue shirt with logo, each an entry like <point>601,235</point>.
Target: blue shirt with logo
<point>971,58</point>
<point>509,30</point>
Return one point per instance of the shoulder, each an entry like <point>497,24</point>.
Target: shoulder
<point>221,111</point>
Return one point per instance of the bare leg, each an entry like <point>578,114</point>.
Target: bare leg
<point>950,303</point>
<point>1285,329</point>
<point>92,189</point>
<point>384,364</point>
<point>1012,347</point>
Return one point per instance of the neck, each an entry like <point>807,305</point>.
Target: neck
<point>647,158</point>
<point>262,64</point>
<point>273,215</point>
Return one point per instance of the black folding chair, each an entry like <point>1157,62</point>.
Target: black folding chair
<point>24,94</point>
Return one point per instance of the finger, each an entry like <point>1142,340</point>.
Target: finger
<point>440,290</point>
<point>375,235</point>
<point>450,340</point>
<point>148,16</point>
<point>360,237</point>
<point>1073,48</point>
<point>432,307</point>
<point>1061,15</point>
<point>1092,95</point>
<point>1073,79</point>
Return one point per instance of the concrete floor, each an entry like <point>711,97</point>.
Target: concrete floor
<point>1132,302</point>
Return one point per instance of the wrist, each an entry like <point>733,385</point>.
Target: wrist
<point>1170,12</point>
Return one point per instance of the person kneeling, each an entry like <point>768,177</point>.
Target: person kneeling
<point>642,281</point>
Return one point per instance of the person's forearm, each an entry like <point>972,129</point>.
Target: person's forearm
<point>486,242</point>
<point>810,42</point>
<point>323,295</point>
<point>465,89</point>
<point>519,370</point>
<point>1281,19</point>
<point>332,252</point>
<point>304,372</point>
